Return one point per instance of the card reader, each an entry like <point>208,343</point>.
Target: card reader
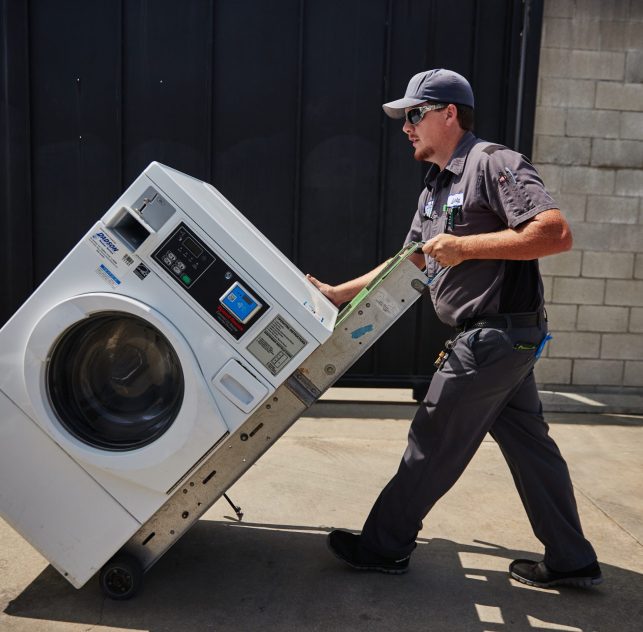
<point>240,303</point>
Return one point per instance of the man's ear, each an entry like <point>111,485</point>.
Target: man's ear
<point>451,114</point>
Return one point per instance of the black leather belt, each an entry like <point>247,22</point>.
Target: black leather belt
<point>503,321</point>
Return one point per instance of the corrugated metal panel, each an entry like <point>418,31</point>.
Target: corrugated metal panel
<point>277,104</point>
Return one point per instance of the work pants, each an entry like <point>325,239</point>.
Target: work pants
<point>485,385</point>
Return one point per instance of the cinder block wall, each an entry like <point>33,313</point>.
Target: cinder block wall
<point>588,147</point>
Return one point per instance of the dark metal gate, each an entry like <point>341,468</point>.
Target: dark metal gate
<point>276,103</point>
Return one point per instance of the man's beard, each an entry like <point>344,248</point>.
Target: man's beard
<point>422,154</point>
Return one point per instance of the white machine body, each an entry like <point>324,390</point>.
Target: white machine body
<point>159,334</point>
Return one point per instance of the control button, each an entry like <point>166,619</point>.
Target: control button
<point>166,261</point>
<point>177,269</point>
<point>186,279</point>
<point>171,256</point>
<point>180,265</point>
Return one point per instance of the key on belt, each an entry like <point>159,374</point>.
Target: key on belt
<point>443,355</point>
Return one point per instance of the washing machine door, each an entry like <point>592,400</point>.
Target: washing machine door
<point>114,381</point>
<point>120,389</point>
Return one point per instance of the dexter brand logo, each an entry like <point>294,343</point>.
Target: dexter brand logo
<point>106,241</point>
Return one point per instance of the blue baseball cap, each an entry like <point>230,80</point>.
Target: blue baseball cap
<point>438,85</point>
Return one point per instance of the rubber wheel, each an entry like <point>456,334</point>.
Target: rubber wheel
<point>122,577</point>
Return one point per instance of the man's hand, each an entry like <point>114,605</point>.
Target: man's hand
<point>329,291</point>
<point>445,249</point>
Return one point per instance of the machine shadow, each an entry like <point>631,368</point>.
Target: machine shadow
<point>240,576</point>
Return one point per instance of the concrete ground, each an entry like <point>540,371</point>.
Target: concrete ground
<point>272,571</point>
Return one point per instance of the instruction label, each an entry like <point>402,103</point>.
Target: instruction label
<point>277,345</point>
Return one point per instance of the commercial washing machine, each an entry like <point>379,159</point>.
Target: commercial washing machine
<point>163,356</point>
<point>155,338</point>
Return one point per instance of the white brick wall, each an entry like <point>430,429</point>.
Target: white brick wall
<point>633,373</point>
<point>613,95</point>
<point>624,293</point>
<point>588,147</point>
<point>563,317</point>
<point>636,320</point>
<point>566,263</point>
<point>631,124</point>
<point>554,371</point>
<point>592,123</point>
<point>607,372</point>
<point>581,291</point>
<point>624,346</point>
<point>612,210</point>
<point>610,265</point>
<point>602,318</point>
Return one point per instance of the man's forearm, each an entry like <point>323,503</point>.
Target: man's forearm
<point>347,291</point>
<point>545,234</point>
<point>344,292</point>
<point>524,243</point>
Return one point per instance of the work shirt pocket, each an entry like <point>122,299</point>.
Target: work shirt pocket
<point>514,196</point>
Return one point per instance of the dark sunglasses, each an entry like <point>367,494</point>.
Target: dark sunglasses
<point>415,115</point>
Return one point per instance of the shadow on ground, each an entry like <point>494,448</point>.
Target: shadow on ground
<point>238,576</point>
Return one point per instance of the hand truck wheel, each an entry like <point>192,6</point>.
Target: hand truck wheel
<point>122,577</point>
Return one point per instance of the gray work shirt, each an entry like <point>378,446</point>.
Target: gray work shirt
<point>484,188</point>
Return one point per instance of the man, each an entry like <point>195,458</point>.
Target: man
<point>486,217</point>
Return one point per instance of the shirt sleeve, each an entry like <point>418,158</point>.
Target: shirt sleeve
<point>514,188</point>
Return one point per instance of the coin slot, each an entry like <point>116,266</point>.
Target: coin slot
<point>129,229</point>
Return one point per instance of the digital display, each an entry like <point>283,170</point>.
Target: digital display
<point>192,247</point>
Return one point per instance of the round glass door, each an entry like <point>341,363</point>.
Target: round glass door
<point>115,382</point>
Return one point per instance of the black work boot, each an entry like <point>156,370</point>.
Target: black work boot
<point>347,547</point>
<point>540,575</point>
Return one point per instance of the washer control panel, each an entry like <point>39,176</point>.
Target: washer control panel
<point>210,281</point>
<point>185,256</point>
